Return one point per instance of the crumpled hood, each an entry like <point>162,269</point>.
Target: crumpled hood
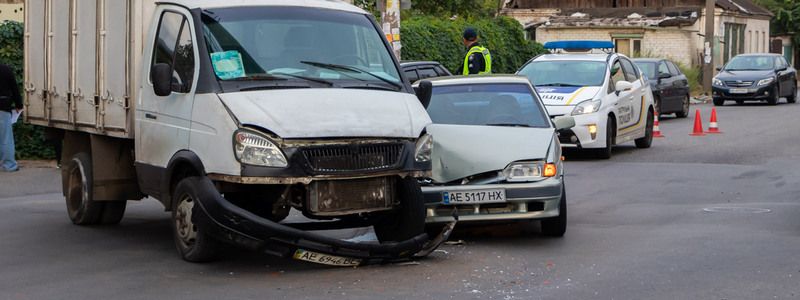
<point>323,113</point>
<point>568,95</point>
<point>460,151</point>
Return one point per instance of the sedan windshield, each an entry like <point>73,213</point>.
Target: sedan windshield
<point>513,105</point>
<point>750,63</point>
<point>565,73</point>
<point>316,46</point>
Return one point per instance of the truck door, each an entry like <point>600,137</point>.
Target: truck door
<point>58,61</point>
<point>164,122</point>
<point>35,84</point>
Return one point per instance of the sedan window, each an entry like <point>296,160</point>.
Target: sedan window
<point>673,69</point>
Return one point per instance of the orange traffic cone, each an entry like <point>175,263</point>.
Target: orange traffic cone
<point>656,128</point>
<point>698,124</point>
<point>712,126</point>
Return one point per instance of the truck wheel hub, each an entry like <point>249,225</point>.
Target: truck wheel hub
<point>187,231</point>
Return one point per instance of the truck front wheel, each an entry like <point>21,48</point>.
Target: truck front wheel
<point>192,243</point>
<point>408,220</point>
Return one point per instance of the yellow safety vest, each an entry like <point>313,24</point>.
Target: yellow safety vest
<point>487,58</point>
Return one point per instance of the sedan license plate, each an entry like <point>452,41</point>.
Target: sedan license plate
<point>325,259</point>
<point>739,91</point>
<point>474,197</point>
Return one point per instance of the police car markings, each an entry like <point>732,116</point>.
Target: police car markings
<point>575,95</point>
<point>641,117</point>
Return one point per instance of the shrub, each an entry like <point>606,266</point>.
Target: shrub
<point>437,39</point>
<point>29,138</point>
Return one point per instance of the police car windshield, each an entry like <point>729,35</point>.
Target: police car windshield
<point>565,73</point>
<point>259,43</point>
<point>513,105</point>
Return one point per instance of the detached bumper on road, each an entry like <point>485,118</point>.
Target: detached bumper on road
<point>228,222</point>
<point>524,201</point>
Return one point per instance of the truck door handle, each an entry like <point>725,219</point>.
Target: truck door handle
<point>150,116</point>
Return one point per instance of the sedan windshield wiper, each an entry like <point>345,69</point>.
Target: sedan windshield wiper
<point>336,67</point>
<point>508,125</point>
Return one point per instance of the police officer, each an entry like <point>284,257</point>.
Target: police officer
<point>478,59</point>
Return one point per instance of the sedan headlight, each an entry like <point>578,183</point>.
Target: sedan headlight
<point>586,107</point>
<point>765,81</point>
<point>717,82</point>
<point>424,149</point>
<point>253,149</point>
<point>529,171</point>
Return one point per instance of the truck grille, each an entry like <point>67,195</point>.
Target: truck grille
<point>738,83</point>
<point>349,158</point>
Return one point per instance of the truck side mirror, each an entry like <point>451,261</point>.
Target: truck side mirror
<point>424,92</point>
<point>161,75</point>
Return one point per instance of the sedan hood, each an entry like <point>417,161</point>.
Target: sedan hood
<point>744,75</point>
<point>325,113</point>
<point>460,151</point>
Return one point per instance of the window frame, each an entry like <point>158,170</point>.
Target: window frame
<point>186,22</point>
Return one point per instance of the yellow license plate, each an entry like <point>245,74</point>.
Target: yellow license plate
<point>325,259</point>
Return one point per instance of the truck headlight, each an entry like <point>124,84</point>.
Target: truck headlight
<point>765,81</point>
<point>586,107</point>
<point>424,148</point>
<point>717,82</point>
<point>253,149</point>
<point>529,171</point>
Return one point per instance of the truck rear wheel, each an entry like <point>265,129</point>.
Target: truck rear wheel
<point>192,243</point>
<point>408,220</point>
<point>81,208</point>
<point>113,211</point>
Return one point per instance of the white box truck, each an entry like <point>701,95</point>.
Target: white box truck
<point>231,113</point>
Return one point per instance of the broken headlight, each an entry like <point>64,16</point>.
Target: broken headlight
<point>424,148</point>
<point>253,149</point>
<point>529,171</point>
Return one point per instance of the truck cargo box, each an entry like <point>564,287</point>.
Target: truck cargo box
<point>81,63</point>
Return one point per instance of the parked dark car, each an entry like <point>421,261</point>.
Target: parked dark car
<point>670,86</point>
<point>418,70</point>
<point>755,77</point>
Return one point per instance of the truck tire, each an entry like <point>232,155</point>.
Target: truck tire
<point>408,220</point>
<point>113,211</point>
<point>81,208</point>
<point>646,141</point>
<point>557,226</point>
<point>192,243</point>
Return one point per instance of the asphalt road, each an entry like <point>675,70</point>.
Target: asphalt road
<point>715,217</point>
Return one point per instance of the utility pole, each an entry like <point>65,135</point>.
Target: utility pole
<point>390,23</point>
<point>708,47</point>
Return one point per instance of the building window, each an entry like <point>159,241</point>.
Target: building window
<point>734,40</point>
<point>749,41</point>
<point>629,47</point>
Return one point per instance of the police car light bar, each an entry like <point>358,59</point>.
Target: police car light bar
<point>579,45</point>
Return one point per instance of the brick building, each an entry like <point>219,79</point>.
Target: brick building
<point>656,28</point>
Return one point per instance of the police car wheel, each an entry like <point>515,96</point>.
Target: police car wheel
<point>611,132</point>
<point>646,141</point>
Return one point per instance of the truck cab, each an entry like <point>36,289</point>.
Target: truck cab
<point>237,113</point>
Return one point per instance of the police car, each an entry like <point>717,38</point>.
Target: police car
<point>605,92</point>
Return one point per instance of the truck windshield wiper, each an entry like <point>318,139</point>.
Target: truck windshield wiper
<point>558,84</point>
<point>336,67</point>
<point>306,78</point>
<point>257,77</point>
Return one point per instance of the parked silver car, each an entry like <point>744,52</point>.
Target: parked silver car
<point>496,154</point>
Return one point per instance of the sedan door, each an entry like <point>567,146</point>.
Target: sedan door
<point>631,106</point>
<point>665,87</point>
<point>680,87</point>
<point>785,76</point>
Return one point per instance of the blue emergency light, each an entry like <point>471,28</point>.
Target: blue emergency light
<point>579,45</point>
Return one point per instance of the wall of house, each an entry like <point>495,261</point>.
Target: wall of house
<point>675,44</point>
<point>11,12</point>
<point>756,37</point>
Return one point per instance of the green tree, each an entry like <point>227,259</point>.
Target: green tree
<point>787,17</point>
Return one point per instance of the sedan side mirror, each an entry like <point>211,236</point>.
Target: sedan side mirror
<point>719,69</point>
<point>664,75</point>
<point>623,86</point>
<point>161,75</point>
<point>424,92</point>
<point>781,69</point>
<point>564,122</point>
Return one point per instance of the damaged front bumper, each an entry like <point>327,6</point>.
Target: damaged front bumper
<point>524,201</point>
<point>228,222</point>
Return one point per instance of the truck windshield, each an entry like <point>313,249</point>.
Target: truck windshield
<point>504,104</point>
<point>321,47</point>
